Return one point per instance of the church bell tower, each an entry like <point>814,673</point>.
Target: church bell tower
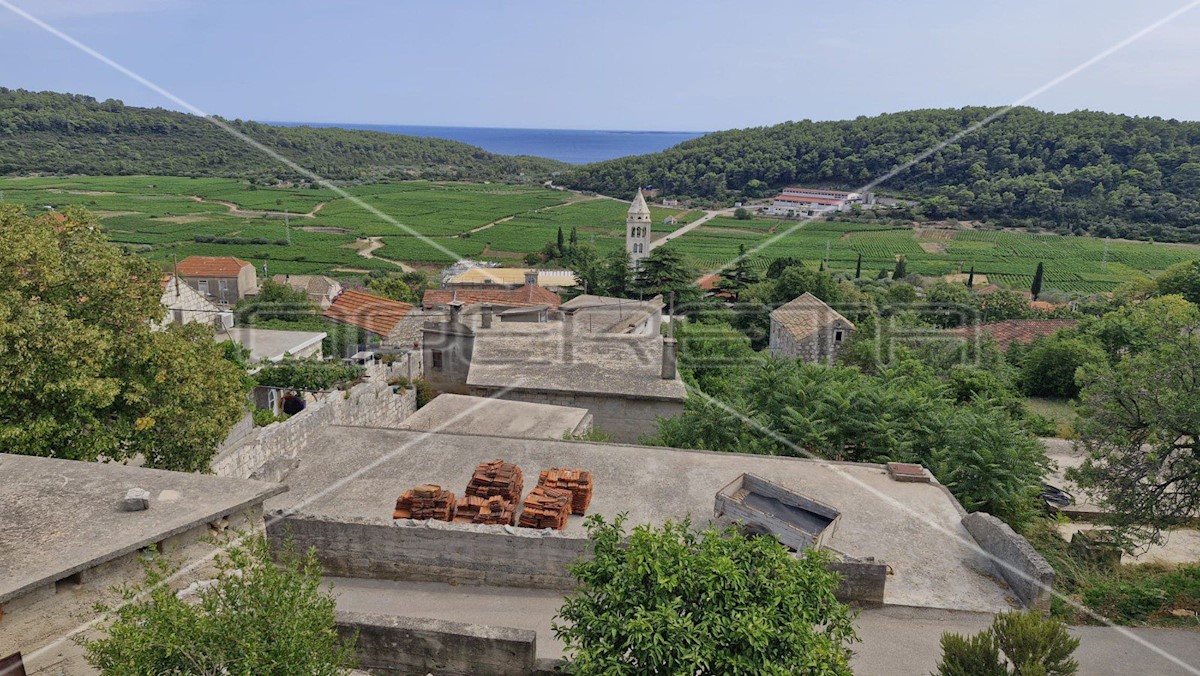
<point>637,229</point>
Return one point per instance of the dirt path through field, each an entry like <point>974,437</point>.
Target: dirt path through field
<point>708,216</point>
<point>376,243</point>
<point>235,210</point>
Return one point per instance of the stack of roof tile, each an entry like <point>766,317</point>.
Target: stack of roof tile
<point>546,508</point>
<point>497,478</point>
<point>428,501</point>
<point>577,481</point>
<point>494,511</point>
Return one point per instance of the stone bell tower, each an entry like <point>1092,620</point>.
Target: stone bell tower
<point>637,229</point>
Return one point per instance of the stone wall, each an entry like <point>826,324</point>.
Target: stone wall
<point>433,551</point>
<point>268,453</point>
<point>1026,572</point>
<point>389,644</point>
<point>429,551</point>
<point>623,419</point>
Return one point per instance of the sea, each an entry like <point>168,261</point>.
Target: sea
<point>577,146</point>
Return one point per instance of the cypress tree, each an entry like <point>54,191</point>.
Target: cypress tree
<point>574,240</point>
<point>561,242</point>
<point>971,278</point>
<point>1036,288</point>
<point>901,269</point>
<point>821,267</point>
<point>858,267</point>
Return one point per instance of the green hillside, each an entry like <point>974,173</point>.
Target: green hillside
<point>1101,173</point>
<point>47,132</point>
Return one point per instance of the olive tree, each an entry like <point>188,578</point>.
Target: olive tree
<point>257,617</point>
<point>675,600</point>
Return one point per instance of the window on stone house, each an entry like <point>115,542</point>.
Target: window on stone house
<point>436,358</point>
<point>223,284</point>
<point>202,286</point>
<point>837,336</point>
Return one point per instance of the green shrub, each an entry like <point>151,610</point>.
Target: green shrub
<point>1032,644</point>
<point>265,416</point>
<point>311,376</point>
<point>673,600</point>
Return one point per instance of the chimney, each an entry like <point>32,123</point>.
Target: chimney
<point>456,307</point>
<point>487,316</point>
<point>669,356</point>
<point>531,277</point>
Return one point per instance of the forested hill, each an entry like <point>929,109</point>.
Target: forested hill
<point>1084,171</point>
<point>48,132</point>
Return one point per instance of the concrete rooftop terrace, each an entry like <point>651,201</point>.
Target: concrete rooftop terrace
<point>270,344</point>
<point>553,361</point>
<point>58,517</point>
<point>915,528</point>
<point>459,414</point>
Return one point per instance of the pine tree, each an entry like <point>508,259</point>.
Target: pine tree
<point>971,278</point>
<point>1036,288</point>
<point>901,269</point>
<point>858,267</point>
<point>738,276</point>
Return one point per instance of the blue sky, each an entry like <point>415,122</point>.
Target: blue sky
<point>607,64</point>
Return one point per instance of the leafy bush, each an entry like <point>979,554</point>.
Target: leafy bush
<point>1033,645</point>
<point>674,600</point>
<point>1049,365</point>
<point>265,416</point>
<point>311,376</point>
<point>259,617</point>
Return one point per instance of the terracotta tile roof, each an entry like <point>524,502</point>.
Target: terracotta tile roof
<point>211,266</point>
<point>524,296</point>
<point>367,312</point>
<point>806,315</point>
<point>1011,331</point>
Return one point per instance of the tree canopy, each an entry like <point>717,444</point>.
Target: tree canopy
<point>48,132</point>
<point>1077,172</point>
<point>673,600</point>
<point>85,376</point>
<point>259,617</point>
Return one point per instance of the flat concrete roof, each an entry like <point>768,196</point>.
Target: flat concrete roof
<point>270,344</point>
<point>552,361</point>
<point>58,517</point>
<point>460,414</point>
<point>915,528</point>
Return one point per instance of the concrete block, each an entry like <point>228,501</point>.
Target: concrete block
<point>136,500</point>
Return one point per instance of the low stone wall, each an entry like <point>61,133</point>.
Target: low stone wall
<point>1026,572</point>
<point>623,419</point>
<point>431,551</point>
<point>389,644</point>
<point>269,453</point>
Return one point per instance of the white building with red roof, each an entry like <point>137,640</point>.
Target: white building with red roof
<point>798,202</point>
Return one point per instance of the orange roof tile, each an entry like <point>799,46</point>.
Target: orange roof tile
<point>211,266</point>
<point>524,296</point>
<point>367,312</point>
<point>1011,331</point>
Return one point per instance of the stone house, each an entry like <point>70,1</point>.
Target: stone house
<point>381,318</point>
<point>185,305</point>
<point>808,329</point>
<point>600,354</point>
<point>321,290</point>
<point>224,280</point>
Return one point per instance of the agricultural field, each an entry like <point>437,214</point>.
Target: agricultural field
<point>417,222</point>
<point>434,223</point>
<point>1072,264</point>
